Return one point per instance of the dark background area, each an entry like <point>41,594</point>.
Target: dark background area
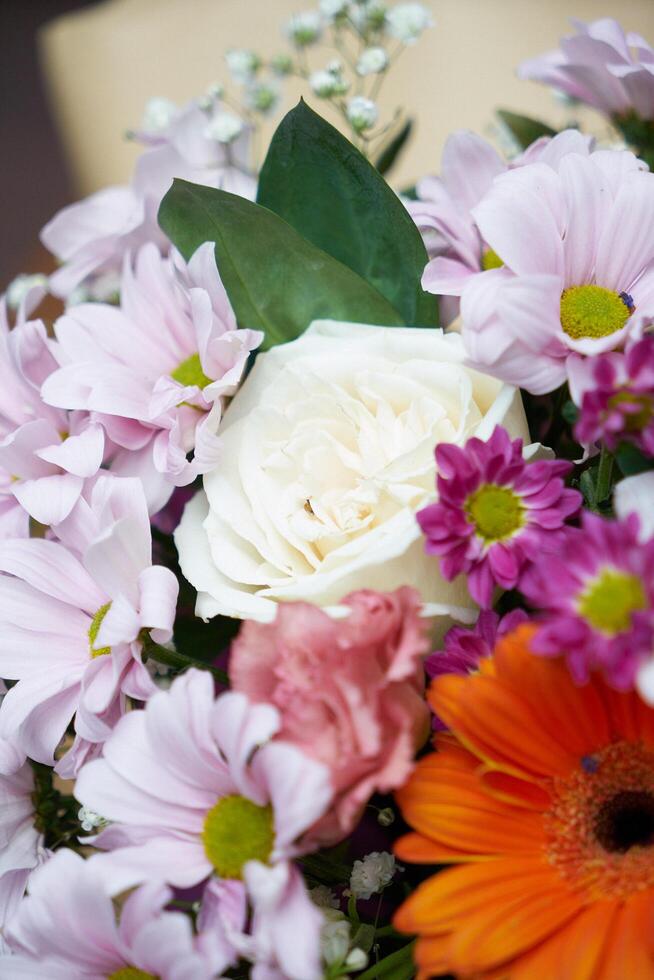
<point>34,181</point>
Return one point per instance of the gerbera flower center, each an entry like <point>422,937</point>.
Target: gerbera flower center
<point>131,973</point>
<point>593,311</point>
<point>190,372</point>
<point>642,409</point>
<point>94,629</point>
<point>490,260</point>
<point>611,599</point>
<point>236,830</point>
<point>600,828</point>
<point>496,512</point>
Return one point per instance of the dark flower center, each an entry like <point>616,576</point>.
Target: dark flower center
<point>625,821</point>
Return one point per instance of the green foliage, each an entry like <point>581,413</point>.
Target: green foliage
<point>639,133</point>
<point>388,156</point>
<point>524,129</point>
<point>318,182</point>
<point>276,280</point>
<point>631,461</point>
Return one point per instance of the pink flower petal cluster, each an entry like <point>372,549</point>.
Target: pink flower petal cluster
<point>349,691</point>
<point>92,237</point>
<point>66,928</point>
<point>615,396</point>
<point>585,224</point>
<point>463,648</point>
<point>70,619</point>
<point>495,512</point>
<point>596,594</point>
<point>155,370</point>
<point>600,65</point>
<point>46,454</point>
<point>444,209</point>
<point>167,776</point>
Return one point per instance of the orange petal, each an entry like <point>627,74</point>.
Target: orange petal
<point>629,951</point>
<point>452,898</point>
<point>517,792</point>
<point>420,850</point>
<point>431,955</point>
<point>631,718</point>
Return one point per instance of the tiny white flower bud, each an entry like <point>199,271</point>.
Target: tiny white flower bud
<point>407,21</point>
<point>327,83</point>
<point>90,820</point>
<point>372,874</point>
<point>224,127</point>
<point>18,289</point>
<point>242,64</point>
<point>158,115</point>
<point>333,8</point>
<point>282,64</point>
<point>262,96</point>
<point>356,960</point>
<point>362,113</point>
<point>334,66</point>
<point>304,28</point>
<point>369,14</point>
<point>335,940</point>
<point>323,897</point>
<point>386,817</point>
<point>372,61</point>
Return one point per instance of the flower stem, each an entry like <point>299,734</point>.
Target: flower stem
<point>400,958</point>
<point>604,474</point>
<point>177,660</point>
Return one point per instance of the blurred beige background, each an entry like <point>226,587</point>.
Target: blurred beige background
<point>102,63</point>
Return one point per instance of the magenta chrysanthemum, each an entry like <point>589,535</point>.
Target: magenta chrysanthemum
<point>495,511</point>
<point>615,393</point>
<point>597,593</point>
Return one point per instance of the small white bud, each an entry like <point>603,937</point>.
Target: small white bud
<point>326,83</point>
<point>368,15</point>
<point>323,897</point>
<point>333,8</point>
<point>334,66</point>
<point>282,64</point>
<point>158,115</point>
<point>335,940</point>
<point>242,64</point>
<point>224,127</point>
<point>90,820</point>
<point>262,96</point>
<point>18,289</point>
<point>362,113</point>
<point>407,21</point>
<point>372,874</point>
<point>356,960</point>
<point>304,28</point>
<point>372,61</point>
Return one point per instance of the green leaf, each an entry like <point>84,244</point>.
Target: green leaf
<point>631,460</point>
<point>524,129</point>
<point>276,280</point>
<point>315,179</point>
<point>397,966</point>
<point>393,148</point>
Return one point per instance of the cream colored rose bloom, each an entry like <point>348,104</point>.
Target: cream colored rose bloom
<point>328,452</point>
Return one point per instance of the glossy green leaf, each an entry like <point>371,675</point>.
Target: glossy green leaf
<point>524,129</point>
<point>316,180</point>
<point>388,156</point>
<point>276,280</point>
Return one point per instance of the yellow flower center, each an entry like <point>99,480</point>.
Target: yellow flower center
<point>190,372</point>
<point>496,512</point>
<point>131,973</point>
<point>490,260</point>
<point>600,827</point>
<point>94,629</point>
<point>236,830</point>
<point>611,599</point>
<point>592,311</point>
<point>634,421</point>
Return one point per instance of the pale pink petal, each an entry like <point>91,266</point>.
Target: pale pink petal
<point>158,591</point>
<point>627,245</point>
<point>52,569</point>
<point>78,454</point>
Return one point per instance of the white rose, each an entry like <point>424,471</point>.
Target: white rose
<point>328,452</point>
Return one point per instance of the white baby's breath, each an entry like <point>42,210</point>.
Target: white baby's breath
<point>362,113</point>
<point>372,874</point>
<point>372,61</point>
<point>407,21</point>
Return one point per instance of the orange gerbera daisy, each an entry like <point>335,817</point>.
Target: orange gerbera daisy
<point>543,794</point>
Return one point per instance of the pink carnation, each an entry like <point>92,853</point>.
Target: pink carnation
<point>66,928</point>
<point>601,66</point>
<point>349,691</point>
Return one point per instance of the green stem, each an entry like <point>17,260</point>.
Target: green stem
<point>604,474</point>
<point>177,660</point>
<point>400,956</point>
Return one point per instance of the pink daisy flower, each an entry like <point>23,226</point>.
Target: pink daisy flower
<point>92,237</point>
<point>156,370</point>
<point>46,454</point>
<point>601,66</point>
<point>195,789</point>
<point>69,626</point>
<point>578,267</point>
<point>443,211</point>
<point>66,927</point>
<point>495,512</point>
<point>615,395</point>
<point>597,596</point>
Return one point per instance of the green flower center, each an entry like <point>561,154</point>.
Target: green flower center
<point>592,311</point>
<point>236,830</point>
<point>611,599</point>
<point>190,372</point>
<point>496,512</point>
<point>634,421</point>
<point>131,973</point>
<point>94,629</point>
<point>490,260</point>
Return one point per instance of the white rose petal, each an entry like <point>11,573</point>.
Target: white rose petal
<point>328,452</point>
<point>634,496</point>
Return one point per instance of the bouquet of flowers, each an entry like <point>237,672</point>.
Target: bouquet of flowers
<point>304,596</point>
